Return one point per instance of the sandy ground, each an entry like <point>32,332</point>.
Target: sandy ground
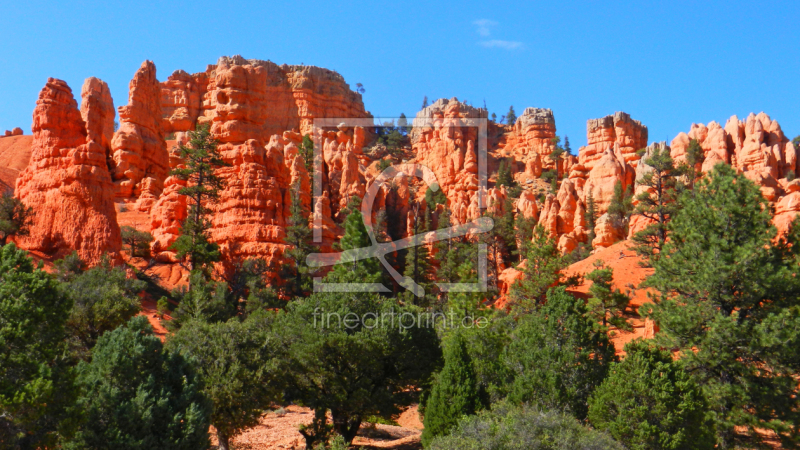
<point>278,430</point>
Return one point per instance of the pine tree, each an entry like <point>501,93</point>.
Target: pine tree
<point>14,217</point>
<point>567,147</point>
<point>511,116</point>
<point>200,161</point>
<point>135,395</point>
<point>35,380</point>
<point>650,402</point>
<point>424,102</point>
<point>355,271</point>
<point>455,392</point>
<point>694,158</point>
<point>658,203</point>
<point>523,233</point>
<point>504,177</point>
<point>556,154</point>
<point>298,234</point>
<point>543,269</point>
<point>590,217</point>
<point>418,267</point>
<point>621,207</point>
<point>557,356</point>
<point>727,300</point>
<point>233,360</point>
<point>606,304</point>
<point>138,241</point>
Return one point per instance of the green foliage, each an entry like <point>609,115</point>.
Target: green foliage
<point>606,304</point>
<point>543,270</point>
<point>384,164</point>
<point>200,161</point>
<point>297,275</point>
<point>511,116</point>
<point>347,353</point>
<point>163,307</point>
<point>549,176</point>
<point>69,267</point>
<point>728,301</point>
<point>790,176</point>
<point>796,142</point>
<point>557,153</point>
<point>306,151</point>
<point>418,265</point>
<point>351,270</point>
<point>103,298</point>
<point>135,395</point>
<point>138,241</point>
<point>649,402</point>
<point>34,380</point>
<point>509,427</point>
<point>621,207</point>
<point>454,393</point>
<point>658,203</point>
<point>249,291</point>
<point>434,198</point>
<point>694,160</point>
<point>504,176</point>
<point>14,217</point>
<point>424,102</point>
<point>234,360</point>
<point>557,356</point>
<point>567,147</point>
<point>590,216</point>
<point>523,233</point>
<point>207,301</point>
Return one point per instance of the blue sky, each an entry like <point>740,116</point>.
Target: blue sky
<point>668,64</point>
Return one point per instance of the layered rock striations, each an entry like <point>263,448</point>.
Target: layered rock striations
<point>606,132</point>
<point>67,182</point>
<point>292,96</point>
<point>139,152</point>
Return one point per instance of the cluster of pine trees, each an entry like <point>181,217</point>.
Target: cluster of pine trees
<point>80,369</point>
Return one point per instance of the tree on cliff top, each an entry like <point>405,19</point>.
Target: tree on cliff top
<point>200,161</point>
<point>511,116</point>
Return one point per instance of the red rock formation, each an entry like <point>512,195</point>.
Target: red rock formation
<point>171,208</point>
<point>604,133</point>
<point>139,151</point>
<point>532,136</point>
<point>445,143</point>
<point>249,219</point>
<point>16,131</point>
<point>67,182</point>
<point>275,98</point>
<point>182,100</point>
<point>609,170</point>
<point>97,110</point>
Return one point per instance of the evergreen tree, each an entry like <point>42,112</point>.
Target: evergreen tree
<point>234,362</point>
<point>494,117</point>
<point>557,356</point>
<point>355,271</point>
<point>35,381</point>
<point>418,267</point>
<point>649,402</point>
<point>590,217</point>
<point>504,176</point>
<point>424,102</point>
<point>298,275</point>
<point>135,395</point>
<point>249,291</point>
<point>207,301</point>
<point>606,304</point>
<point>542,270</point>
<point>14,217</point>
<point>200,161</point>
<point>454,393</point>
<point>348,353</point>
<point>728,301</point>
<point>621,207</point>
<point>658,203</point>
<point>511,116</point>
<point>556,154</point>
<point>402,124</point>
<point>103,298</point>
<point>567,147</point>
<point>694,159</point>
<point>523,233</point>
<point>138,241</point>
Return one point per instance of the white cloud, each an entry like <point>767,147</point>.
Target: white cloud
<point>484,26</point>
<point>497,43</point>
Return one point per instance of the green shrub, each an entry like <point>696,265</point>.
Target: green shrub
<point>649,402</point>
<point>507,427</point>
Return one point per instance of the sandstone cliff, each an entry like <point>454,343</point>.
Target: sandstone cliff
<point>67,182</point>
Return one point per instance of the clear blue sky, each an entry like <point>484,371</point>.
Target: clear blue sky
<point>668,64</point>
